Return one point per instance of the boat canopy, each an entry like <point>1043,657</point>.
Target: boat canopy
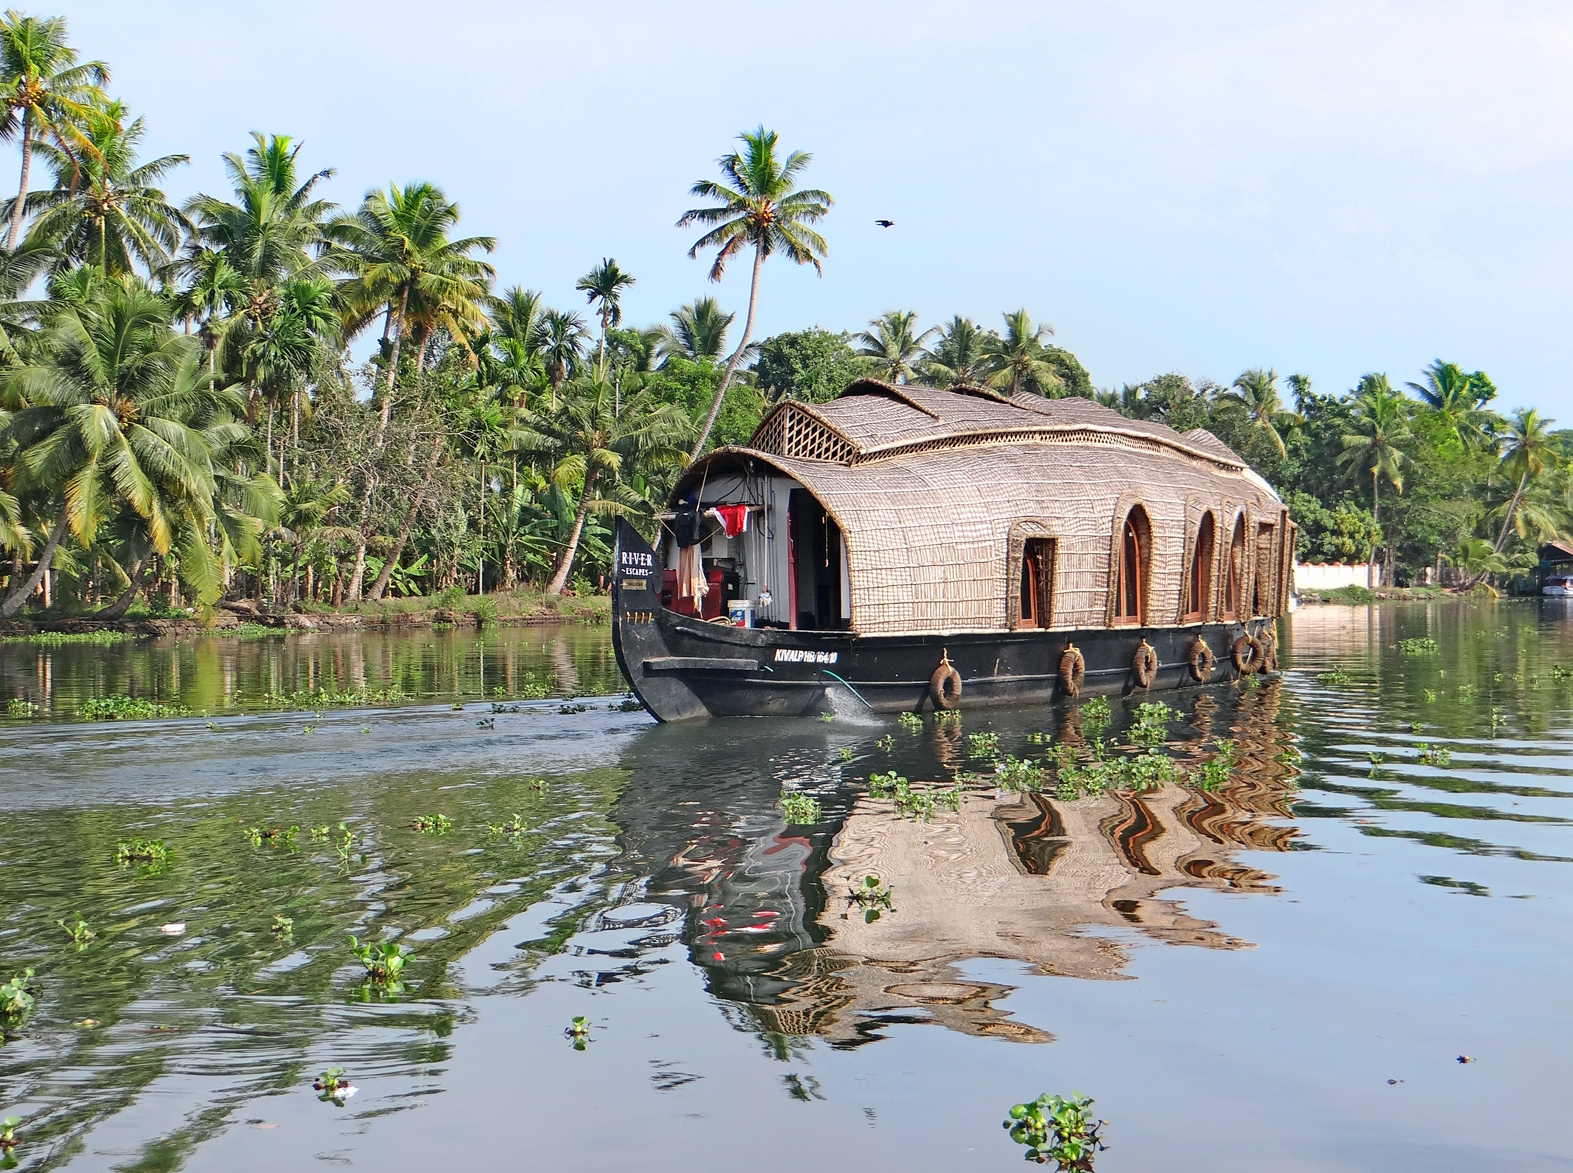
<point>971,510</point>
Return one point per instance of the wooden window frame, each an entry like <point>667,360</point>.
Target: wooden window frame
<point>1023,532</point>
<point>1234,575</point>
<point>1137,576</point>
<point>1197,586</point>
<point>1037,564</point>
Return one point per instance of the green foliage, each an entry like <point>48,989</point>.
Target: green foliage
<point>20,707</point>
<point>514,826</point>
<point>1215,772</point>
<point>909,721</point>
<point>872,896</point>
<point>1334,677</point>
<point>77,930</point>
<point>578,1031</point>
<point>333,1084</point>
<point>812,365</point>
<point>125,708</point>
<point>383,961</point>
<point>982,745</point>
<point>1018,775</point>
<point>1058,1129</point>
<point>55,639</point>
<point>154,851</point>
<point>432,824</point>
<point>799,809</point>
<point>1420,646</point>
<point>283,925</point>
<point>1436,755</point>
<point>15,996</point>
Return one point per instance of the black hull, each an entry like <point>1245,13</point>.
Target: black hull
<point>684,668</point>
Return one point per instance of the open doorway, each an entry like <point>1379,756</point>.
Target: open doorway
<point>815,554</point>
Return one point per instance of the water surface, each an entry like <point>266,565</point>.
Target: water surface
<point>1278,974</point>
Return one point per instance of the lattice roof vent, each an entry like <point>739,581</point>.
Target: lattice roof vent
<point>792,431</point>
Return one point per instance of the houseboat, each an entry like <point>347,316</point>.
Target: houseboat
<point>909,548</point>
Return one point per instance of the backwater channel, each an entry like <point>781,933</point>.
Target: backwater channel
<point>1280,973</point>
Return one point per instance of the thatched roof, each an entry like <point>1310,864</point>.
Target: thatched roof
<point>934,491</point>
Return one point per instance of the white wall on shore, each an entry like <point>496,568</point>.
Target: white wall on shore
<point>1329,576</point>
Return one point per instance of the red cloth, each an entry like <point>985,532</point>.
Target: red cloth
<point>734,518</point>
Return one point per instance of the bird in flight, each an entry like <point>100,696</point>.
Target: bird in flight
<point>885,223</point>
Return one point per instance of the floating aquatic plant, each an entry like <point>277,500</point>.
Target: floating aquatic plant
<point>1336,677</point>
<point>578,1031</point>
<point>142,851</point>
<point>886,743</point>
<point>909,721</point>
<point>383,960</point>
<point>334,1085</point>
<point>1058,1129</point>
<point>514,826</point>
<point>846,753</point>
<point>432,824</point>
<point>1420,646</point>
<point>125,708</point>
<point>1429,695</point>
<point>282,924</point>
<point>872,896</point>
<point>1435,755</point>
<point>16,997</point>
<point>19,706</point>
<point>54,639</point>
<point>799,809</point>
<point>982,745</point>
<point>78,930</point>
<point>1018,775</point>
<point>1214,772</point>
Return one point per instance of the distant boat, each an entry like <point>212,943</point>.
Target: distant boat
<point>922,548</point>
<point>1558,585</point>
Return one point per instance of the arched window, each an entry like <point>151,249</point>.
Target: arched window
<point>1130,583</point>
<point>1234,572</point>
<point>1198,583</point>
<point>1037,582</point>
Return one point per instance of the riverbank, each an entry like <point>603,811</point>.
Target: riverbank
<point>241,617</point>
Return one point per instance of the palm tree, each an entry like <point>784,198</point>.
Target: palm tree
<point>511,361</point>
<point>1256,391</point>
<point>562,346</point>
<point>104,209</point>
<point>1530,452</point>
<point>274,226</point>
<point>1477,558</point>
<point>588,444</point>
<point>1380,427</point>
<point>396,247</point>
<point>891,342</point>
<point>1456,397</point>
<point>757,205</point>
<point>958,357</point>
<point>289,345</point>
<point>47,95</point>
<point>698,331</point>
<point>605,284</point>
<point>116,413</point>
<point>216,290</point>
<point>1017,360</point>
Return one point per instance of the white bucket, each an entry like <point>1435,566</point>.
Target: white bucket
<point>740,612</point>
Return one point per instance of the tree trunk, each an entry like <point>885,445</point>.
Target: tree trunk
<point>121,605</point>
<point>565,559</point>
<point>18,596</point>
<point>21,195</point>
<point>1507,518</point>
<point>267,444</point>
<point>1376,518</point>
<point>393,363</point>
<point>731,363</point>
<point>386,573</point>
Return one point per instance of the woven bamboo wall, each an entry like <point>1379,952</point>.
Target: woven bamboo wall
<point>928,531</point>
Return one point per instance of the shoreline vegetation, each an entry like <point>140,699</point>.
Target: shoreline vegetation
<point>183,428</point>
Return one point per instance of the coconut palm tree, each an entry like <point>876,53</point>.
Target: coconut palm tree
<point>1016,359</point>
<point>957,357</point>
<point>698,331</point>
<point>1457,397</point>
<point>588,444</point>
<point>46,94</point>
<point>1530,453</point>
<point>1256,391</point>
<point>397,249</point>
<point>892,343</point>
<point>105,209</point>
<point>605,284</point>
<point>758,205</point>
<point>511,358</point>
<point>116,413</point>
<point>1380,427</point>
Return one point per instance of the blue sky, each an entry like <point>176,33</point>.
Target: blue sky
<point>1328,188</point>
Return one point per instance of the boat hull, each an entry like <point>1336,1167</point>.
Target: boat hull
<point>683,668</point>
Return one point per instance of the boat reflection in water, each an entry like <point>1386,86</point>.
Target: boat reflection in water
<point>1029,878</point>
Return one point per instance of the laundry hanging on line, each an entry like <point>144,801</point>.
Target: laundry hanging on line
<point>733,518</point>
